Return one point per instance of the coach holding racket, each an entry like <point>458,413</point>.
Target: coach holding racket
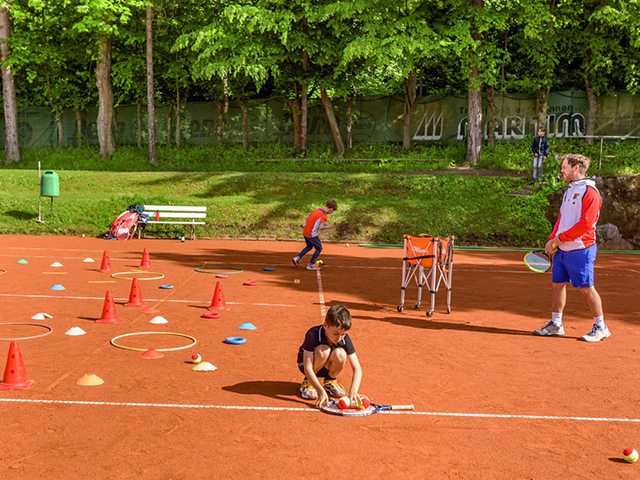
<point>574,235</point>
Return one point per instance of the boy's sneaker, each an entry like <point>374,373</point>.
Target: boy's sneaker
<point>333,388</point>
<point>549,329</point>
<point>313,267</point>
<point>596,334</point>
<point>296,261</point>
<point>307,390</point>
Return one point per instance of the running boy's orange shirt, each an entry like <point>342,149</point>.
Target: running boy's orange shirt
<point>315,220</point>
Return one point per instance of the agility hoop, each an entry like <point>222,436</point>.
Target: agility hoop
<point>193,340</point>
<point>119,276</point>
<point>219,270</point>
<point>49,330</point>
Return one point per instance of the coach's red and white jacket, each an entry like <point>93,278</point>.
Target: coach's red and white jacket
<point>579,212</point>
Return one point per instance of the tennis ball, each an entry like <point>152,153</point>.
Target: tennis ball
<point>347,245</point>
<point>630,455</point>
<point>344,402</point>
<point>363,402</point>
<point>319,262</point>
<point>83,235</point>
<point>196,358</point>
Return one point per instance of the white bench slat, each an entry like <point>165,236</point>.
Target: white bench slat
<point>177,215</point>
<point>176,223</point>
<point>170,208</point>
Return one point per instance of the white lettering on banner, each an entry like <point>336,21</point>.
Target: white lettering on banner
<point>514,127</point>
<point>432,129</point>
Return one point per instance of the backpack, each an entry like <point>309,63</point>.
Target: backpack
<point>125,225</point>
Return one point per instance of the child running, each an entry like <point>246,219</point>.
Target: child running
<point>325,351</point>
<point>315,221</point>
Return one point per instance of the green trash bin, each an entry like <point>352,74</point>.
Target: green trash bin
<point>50,184</point>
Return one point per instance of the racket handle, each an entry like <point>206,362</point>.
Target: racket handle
<point>401,407</point>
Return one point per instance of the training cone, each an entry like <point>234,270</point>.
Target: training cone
<point>151,354</point>
<point>158,320</point>
<point>109,310</point>
<point>146,263</point>
<point>204,367</point>
<point>217,303</point>
<point>135,297</point>
<point>15,375</point>
<point>75,332</point>
<point>106,263</point>
<point>150,310</point>
<point>88,260</point>
<point>90,380</point>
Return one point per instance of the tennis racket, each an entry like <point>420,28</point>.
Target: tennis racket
<point>333,409</point>
<point>538,261</point>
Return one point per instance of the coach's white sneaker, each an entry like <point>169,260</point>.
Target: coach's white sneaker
<point>596,334</point>
<point>550,329</point>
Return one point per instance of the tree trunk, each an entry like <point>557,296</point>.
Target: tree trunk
<point>151,108</point>
<point>139,123</point>
<point>294,107</point>
<point>304,111</point>
<point>333,123</point>
<point>491,125</point>
<point>220,105</point>
<point>168,117</point>
<point>80,135</point>
<point>177,113</point>
<point>105,99</point>
<point>474,99</point>
<point>60,131</point>
<point>349,122</point>
<point>244,106</point>
<point>12,144</point>
<point>543,107</point>
<point>411,98</point>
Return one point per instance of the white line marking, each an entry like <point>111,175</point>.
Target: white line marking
<point>314,410</point>
<point>146,300</point>
<point>321,295</point>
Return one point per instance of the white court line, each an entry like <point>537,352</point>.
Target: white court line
<point>147,300</point>
<point>315,410</point>
<point>321,295</point>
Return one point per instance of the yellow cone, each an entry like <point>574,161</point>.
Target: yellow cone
<point>90,380</point>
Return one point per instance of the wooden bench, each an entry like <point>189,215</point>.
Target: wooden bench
<point>183,216</point>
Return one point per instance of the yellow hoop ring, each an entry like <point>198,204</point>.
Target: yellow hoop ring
<point>33,336</point>
<point>113,341</point>
<point>157,277</point>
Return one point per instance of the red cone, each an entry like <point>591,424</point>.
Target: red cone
<point>145,260</point>
<point>217,303</point>
<point>109,310</point>
<point>15,375</point>
<point>135,297</point>
<point>106,264</point>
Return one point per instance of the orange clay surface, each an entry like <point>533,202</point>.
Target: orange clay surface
<point>492,401</point>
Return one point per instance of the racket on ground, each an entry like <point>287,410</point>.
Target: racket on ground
<point>538,261</point>
<point>333,409</point>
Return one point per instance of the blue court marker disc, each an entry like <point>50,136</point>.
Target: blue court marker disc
<point>235,340</point>
<point>166,286</point>
<point>57,286</point>
<point>268,269</point>
<point>247,326</point>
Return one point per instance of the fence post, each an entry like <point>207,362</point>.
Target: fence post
<point>600,160</point>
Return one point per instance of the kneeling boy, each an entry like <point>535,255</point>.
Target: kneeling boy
<point>326,350</point>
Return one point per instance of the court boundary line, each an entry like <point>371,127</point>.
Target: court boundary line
<point>315,410</point>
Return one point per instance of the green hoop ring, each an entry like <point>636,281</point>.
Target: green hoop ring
<point>219,270</point>
<point>113,341</point>
<point>32,324</point>
<point>116,275</point>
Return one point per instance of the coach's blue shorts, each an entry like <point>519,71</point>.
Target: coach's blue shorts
<point>575,266</point>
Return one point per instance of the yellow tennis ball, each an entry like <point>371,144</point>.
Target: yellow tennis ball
<point>347,245</point>
<point>630,455</point>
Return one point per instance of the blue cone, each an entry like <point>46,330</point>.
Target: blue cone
<point>57,286</point>
<point>247,326</point>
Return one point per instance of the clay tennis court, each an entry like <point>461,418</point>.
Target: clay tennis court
<point>491,400</point>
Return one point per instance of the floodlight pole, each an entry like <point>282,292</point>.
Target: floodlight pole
<point>39,220</point>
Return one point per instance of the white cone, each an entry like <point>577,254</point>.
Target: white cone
<point>88,260</point>
<point>38,316</point>
<point>158,320</point>
<point>56,264</point>
<point>75,332</point>
<point>204,367</point>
